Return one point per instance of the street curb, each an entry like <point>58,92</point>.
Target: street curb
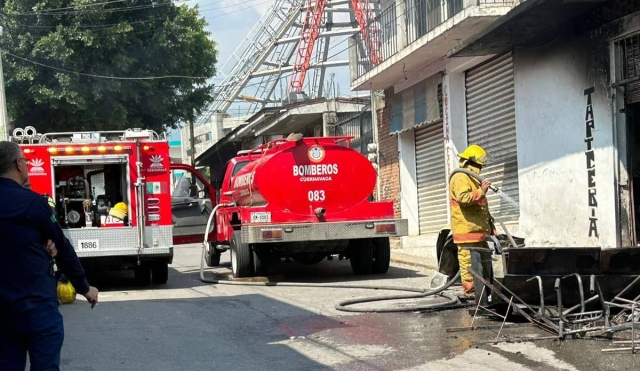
<point>398,257</point>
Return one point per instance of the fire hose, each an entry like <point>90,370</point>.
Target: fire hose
<point>452,300</point>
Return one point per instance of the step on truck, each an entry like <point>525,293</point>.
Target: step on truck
<point>304,199</point>
<point>112,195</point>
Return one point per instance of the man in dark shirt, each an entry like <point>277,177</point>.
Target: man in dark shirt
<point>29,317</point>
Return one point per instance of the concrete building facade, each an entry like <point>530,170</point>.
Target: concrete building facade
<point>549,88</point>
<point>208,134</point>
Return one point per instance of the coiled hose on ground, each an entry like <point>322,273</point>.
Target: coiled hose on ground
<point>452,300</point>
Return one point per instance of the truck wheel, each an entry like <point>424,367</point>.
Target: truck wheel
<point>142,274</point>
<point>381,255</point>
<point>260,260</point>
<point>160,273</point>
<point>361,256</point>
<point>212,256</point>
<point>240,257</point>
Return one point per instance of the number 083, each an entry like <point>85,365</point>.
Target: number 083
<point>316,195</point>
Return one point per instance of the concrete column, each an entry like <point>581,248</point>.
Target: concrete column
<point>401,24</point>
<point>454,120</point>
<point>408,180</point>
<point>329,121</point>
<point>353,59</point>
<point>455,117</point>
<point>377,101</point>
<point>217,126</point>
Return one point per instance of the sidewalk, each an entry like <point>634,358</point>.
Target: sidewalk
<point>423,257</point>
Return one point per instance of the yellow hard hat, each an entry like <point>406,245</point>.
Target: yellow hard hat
<point>119,211</point>
<point>474,153</point>
<point>66,291</point>
<point>51,202</point>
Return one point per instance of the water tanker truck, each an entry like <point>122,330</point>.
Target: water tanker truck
<point>307,200</point>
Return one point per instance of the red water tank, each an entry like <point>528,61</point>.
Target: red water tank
<point>305,176</point>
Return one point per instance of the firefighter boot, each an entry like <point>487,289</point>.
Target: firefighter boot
<point>479,260</point>
<point>468,292</point>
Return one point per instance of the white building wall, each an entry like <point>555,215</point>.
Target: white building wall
<point>551,119</point>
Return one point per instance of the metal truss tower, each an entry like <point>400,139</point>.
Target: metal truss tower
<point>289,51</point>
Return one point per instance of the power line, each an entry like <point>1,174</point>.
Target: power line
<point>115,25</point>
<point>102,76</point>
<point>119,9</point>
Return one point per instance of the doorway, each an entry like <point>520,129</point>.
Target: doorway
<point>633,125</point>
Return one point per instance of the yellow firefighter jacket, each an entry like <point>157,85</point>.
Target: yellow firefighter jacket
<point>469,210</point>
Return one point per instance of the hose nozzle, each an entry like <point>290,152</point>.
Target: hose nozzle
<point>320,211</point>
<point>474,175</point>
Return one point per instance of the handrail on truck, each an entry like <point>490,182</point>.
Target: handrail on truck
<point>29,135</point>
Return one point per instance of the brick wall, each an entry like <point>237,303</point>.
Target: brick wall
<point>388,159</point>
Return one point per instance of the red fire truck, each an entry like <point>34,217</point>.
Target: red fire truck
<point>302,198</point>
<point>112,195</point>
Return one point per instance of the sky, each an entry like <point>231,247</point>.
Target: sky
<point>229,23</point>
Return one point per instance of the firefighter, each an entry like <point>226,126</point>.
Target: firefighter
<point>30,322</point>
<point>470,219</point>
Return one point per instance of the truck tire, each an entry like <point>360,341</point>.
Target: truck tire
<point>142,274</point>
<point>361,256</point>
<point>160,273</point>
<point>381,255</point>
<point>241,255</point>
<point>260,260</point>
<point>212,256</point>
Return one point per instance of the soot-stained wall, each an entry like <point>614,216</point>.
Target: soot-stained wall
<point>565,143</point>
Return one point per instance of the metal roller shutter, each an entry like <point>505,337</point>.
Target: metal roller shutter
<point>432,178</point>
<point>491,123</point>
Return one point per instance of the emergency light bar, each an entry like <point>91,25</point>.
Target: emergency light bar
<point>84,149</point>
<point>137,134</point>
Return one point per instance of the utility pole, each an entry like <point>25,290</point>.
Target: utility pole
<point>4,122</point>
<point>192,142</point>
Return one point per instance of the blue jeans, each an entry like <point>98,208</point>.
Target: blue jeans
<point>38,332</point>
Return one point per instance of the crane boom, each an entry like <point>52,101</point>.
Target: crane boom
<point>308,37</point>
<point>365,16</point>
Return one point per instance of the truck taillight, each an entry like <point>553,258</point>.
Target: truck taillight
<point>386,228</point>
<point>272,234</point>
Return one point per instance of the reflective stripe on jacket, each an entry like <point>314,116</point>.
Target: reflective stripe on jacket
<point>469,210</point>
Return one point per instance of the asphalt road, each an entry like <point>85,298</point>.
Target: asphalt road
<point>188,325</point>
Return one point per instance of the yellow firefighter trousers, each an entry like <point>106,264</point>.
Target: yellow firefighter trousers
<point>464,259</point>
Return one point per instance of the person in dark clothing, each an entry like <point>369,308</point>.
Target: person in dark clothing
<point>29,318</point>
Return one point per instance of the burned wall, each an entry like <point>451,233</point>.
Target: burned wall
<point>565,140</point>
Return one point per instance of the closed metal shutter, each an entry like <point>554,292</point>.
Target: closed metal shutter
<point>491,123</point>
<point>432,178</point>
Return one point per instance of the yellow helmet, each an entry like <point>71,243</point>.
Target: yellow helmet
<point>119,211</point>
<point>66,291</point>
<point>474,153</point>
<point>51,202</point>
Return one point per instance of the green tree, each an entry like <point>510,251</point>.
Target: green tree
<point>115,38</point>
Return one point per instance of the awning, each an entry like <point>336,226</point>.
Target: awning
<point>416,105</point>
